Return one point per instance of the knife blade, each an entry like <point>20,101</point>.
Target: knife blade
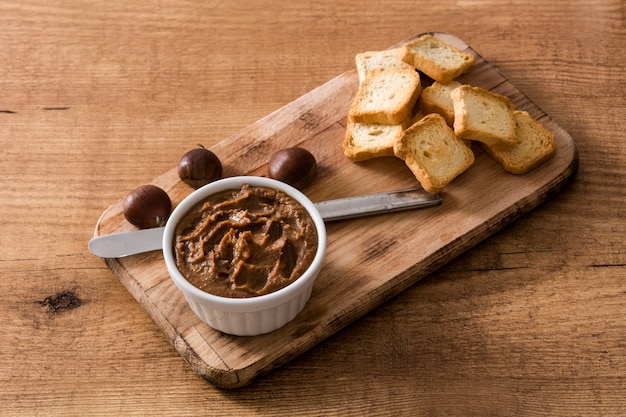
<point>117,245</point>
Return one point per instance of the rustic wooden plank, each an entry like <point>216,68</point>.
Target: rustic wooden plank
<point>369,260</point>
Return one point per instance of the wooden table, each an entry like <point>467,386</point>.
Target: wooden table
<point>98,98</point>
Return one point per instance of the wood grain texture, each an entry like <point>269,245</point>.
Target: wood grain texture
<point>99,98</point>
<point>368,260</point>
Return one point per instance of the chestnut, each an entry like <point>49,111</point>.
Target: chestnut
<point>199,167</point>
<point>147,206</point>
<point>294,166</point>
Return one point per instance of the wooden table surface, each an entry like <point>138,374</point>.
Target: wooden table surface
<point>97,98</point>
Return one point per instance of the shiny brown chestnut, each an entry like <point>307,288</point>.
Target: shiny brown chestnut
<point>199,167</point>
<point>147,206</point>
<point>294,166</point>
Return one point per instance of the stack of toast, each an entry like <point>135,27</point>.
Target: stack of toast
<point>432,128</point>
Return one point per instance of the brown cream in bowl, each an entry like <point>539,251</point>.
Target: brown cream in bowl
<point>245,243</point>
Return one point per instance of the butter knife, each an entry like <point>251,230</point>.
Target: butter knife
<point>117,245</point>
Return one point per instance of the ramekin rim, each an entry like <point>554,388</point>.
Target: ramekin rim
<point>257,303</point>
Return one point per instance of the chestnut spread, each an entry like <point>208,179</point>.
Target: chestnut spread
<point>245,243</point>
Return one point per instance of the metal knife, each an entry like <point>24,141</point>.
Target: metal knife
<point>117,245</point>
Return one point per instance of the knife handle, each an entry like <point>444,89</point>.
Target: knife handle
<point>367,205</point>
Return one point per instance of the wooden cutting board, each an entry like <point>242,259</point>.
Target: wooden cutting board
<point>369,260</point>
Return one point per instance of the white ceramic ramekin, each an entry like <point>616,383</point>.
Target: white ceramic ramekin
<point>245,316</point>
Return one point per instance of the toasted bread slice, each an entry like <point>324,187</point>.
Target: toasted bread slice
<point>436,99</point>
<point>367,141</point>
<point>386,96</point>
<point>394,58</point>
<point>433,152</point>
<point>483,116</point>
<point>439,60</point>
<point>535,144</point>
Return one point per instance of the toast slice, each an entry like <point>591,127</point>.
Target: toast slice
<point>535,144</point>
<point>386,96</point>
<point>436,99</point>
<point>483,116</point>
<point>394,58</point>
<point>367,141</point>
<point>439,60</point>
<point>433,152</point>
